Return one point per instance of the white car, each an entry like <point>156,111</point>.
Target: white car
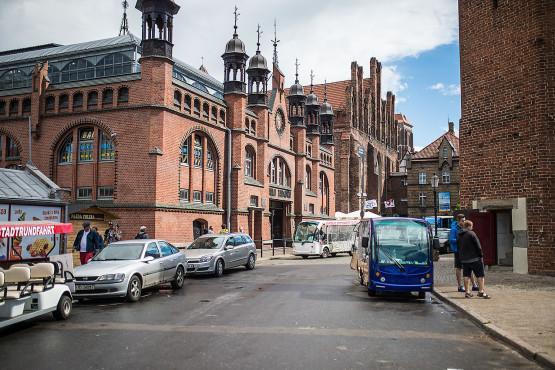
<point>124,269</point>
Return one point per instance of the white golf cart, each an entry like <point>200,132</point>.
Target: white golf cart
<point>29,290</point>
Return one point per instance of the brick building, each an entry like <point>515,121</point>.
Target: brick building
<point>441,158</point>
<point>364,119</point>
<point>508,113</point>
<point>141,137</point>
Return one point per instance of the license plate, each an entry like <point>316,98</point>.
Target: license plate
<point>84,287</point>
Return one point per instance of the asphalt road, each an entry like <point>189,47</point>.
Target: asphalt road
<point>283,315</point>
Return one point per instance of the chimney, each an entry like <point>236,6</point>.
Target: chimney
<point>451,127</point>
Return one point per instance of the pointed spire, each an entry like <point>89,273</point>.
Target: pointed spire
<point>311,81</point>
<point>124,28</point>
<point>236,13</point>
<point>325,90</point>
<point>259,32</point>
<point>275,41</point>
<point>297,70</point>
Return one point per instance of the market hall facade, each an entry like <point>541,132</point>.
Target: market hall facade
<point>145,139</point>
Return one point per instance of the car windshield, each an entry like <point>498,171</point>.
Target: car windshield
<point>305,232</point>
<point>402,242</point>
<point>213,242</point>
<point>120,252</point>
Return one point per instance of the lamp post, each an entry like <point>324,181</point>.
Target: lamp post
<point>435,184</point>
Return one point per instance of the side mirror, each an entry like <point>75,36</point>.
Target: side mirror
<point>229,247</point>
<point>435,243</point>
<point>365,242</point>
<point>148,259</point>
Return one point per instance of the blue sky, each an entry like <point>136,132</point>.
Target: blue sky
<point>432,91</point>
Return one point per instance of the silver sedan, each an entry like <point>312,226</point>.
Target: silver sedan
<point>212,254</point>
<point>123,269</point>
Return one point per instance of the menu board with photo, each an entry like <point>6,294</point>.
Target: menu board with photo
<point>4,216</point>
<point>40,246</point>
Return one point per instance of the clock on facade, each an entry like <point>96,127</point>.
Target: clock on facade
<point>280,122</point>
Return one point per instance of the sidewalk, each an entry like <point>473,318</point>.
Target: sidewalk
<point>520,312</point>
<point>267,254</point>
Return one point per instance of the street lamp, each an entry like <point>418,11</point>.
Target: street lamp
<point>435,184</point>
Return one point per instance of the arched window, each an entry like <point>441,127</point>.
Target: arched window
<point>14,107</point>
<point>247,126</point>
<point>2,108</point>
<point>196,107</point>
<point>324,194</point>
<point>123,95</point>
<point>308,178</point>
<point>49,104</point>
<point>78,69</point>
<point>250,163</point>
<point>65,153</point>
<point>77,101</point>
<point>185,152</point>
<point>253,127</point>
<point>205,110</point>
<point>107,98</point>
<point>12,150</point>
<point>222,116</point>
<point>26,108</point>
<point>209,158</point>
<point>279,172</point>
<point>92,100</point>
<point>177,99</point>
<point>107,150</point>
<point>187,103</point>
<point>214,114</point>
<point>63,102</point>
<point>14,79</point>
<point>197,152</point>
<point>86,144</point>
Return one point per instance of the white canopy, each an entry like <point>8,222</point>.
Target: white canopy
<point>355,215</point>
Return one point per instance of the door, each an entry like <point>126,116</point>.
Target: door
<point>229,254</point>
<point>504,234</point>
<point>241,249</point>
<point>484,227</point>
<point>276,220</point>
<point>169,260</point>
<point>152,271</point>
<point>200,227</point>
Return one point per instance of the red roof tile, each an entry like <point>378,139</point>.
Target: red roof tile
<point>431,151</point>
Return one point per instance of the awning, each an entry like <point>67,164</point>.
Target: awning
<point>35,228</point>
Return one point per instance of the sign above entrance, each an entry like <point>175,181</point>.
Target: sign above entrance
<point>87,216</point>
<point>280,193</point>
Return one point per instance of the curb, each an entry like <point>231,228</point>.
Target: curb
<point>516,343</point>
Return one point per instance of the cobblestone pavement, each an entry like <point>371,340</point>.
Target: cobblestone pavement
<point>521,305</point>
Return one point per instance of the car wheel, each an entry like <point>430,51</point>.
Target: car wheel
<point>63,310</point>
<point>134,289</point>
<point>219,268</point>
<point>305,257</point>
<point>325,253</point>
<point>334,254</point>
<point>371,293</point>
<point>179,280</point>
<point>251,262</point>
<point>351,254</point>
<point>421,295</point>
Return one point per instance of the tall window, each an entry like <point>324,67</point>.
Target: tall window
<point>187,105</point>
<point>205,110</point>
<point>197,151</point>
<point>222,116</point>
<point>185,152</point>
<point>249,162</point>
<point>92,100</point>
<point>445,152</point>
<point>422,199</point>
<point>107,98</point>
<point>2,108</point>
<point>107,152</point>
<point>446,176</point>
<point>12,150</point>
<point>77,101</point>
<point>123,95</point>
<point>214,114</point>
<point>86,144</point>
<point>14,107</point>
<point>26,106</point>
<point>177,99</point>
<point>63,102</point>
<point>197,107</point>
<point>324,194</point>
<point>279,172</point>
<point>65,154</point>
<point>422,178</point>
<point>209,158</point>
<point>308,178</point>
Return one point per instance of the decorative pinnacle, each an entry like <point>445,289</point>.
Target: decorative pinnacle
<point>259,32</point>
<point>297,70</point>
<point>311,81</point>
<point>275,41</point>
<point>325,90</point>
<point>124,28</point>
<point>236,13</point>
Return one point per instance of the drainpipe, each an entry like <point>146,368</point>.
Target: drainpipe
<point>228,181</point>
<point>30,161</point>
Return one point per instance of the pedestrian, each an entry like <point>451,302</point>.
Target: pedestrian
<point>241,230</point>
<point>210,230</point>
<point>470,252</point>
<point>87,242</point>
<point>142,233</point>
<point>456,227</point>
<point>224,230</point>
<point>112,233</point>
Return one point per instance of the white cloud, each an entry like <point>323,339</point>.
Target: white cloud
<point>325,35</point>
<point>447,90</point>
<point>418,148</point>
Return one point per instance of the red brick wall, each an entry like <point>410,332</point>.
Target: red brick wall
<point>508,112</point>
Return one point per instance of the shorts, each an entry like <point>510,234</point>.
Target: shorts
<point>477,267</point>
<point>458,264</point>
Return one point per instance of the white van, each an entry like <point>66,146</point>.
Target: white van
<point>324,238</point>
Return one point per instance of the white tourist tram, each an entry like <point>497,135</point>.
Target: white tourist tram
<point>324,238</point>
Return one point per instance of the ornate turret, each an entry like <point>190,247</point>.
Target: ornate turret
<point>235,59</point>
<point>258,77</point>
<point>312,109</point>
<point>326,119</point>
<point>157,26</point>
<point>296,100</point>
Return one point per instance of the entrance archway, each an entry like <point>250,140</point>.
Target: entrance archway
<point>200,227</point>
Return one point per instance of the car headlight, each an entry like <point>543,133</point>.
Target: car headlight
<point>206,258</point>
<point>112,277</point>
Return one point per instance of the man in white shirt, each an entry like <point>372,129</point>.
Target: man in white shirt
<point>87,242</point>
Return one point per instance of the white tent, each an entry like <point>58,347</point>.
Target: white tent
<point>354,215</point>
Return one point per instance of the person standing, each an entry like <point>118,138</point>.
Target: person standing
<point>470,252</point>
<point>142,233</point>
<point>88,242</point>
<point>210,230</point>
<point>112,233</point>
<point>456,227</point>
<point>224,230</point>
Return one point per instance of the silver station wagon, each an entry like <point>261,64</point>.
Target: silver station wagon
<point>123,269</point>
<point>214,253</point>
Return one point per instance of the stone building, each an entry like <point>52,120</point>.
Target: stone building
<point>143,138</point>
<point>507,53</point>
<point>364,119</point>
<point>441,158</point>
